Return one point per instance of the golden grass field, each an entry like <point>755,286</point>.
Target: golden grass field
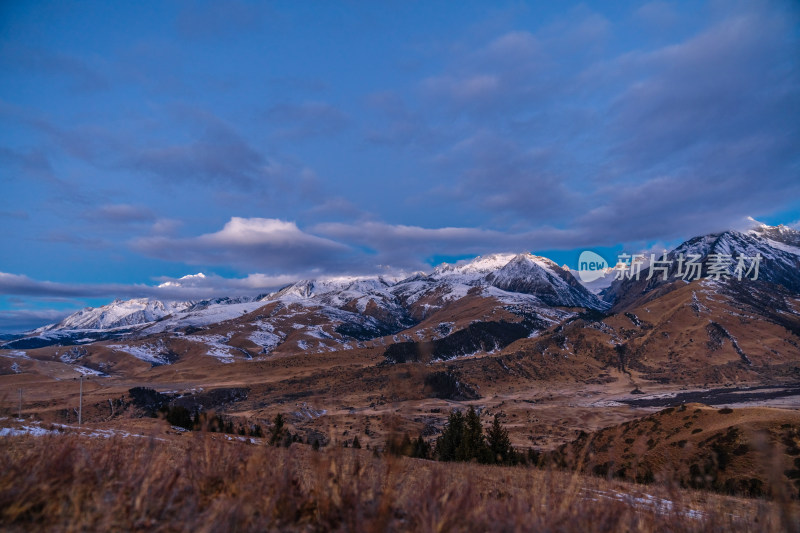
<point>68,480</point>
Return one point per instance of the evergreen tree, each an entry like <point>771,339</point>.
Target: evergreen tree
<point>499,444</point>
<point>356,444</point>
<point>277,432</point>
<point>420,448</point>
<point>450,439</point>
<point>397,446</point>
<point>472,445</point>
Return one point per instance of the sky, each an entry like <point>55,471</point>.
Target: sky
<point>261,143</point>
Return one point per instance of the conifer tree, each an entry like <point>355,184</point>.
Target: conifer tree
<point>277,431</point>
<point>499,444</point>
<point>472,445</point>
<point>448,442</point>
<point>421,449</point>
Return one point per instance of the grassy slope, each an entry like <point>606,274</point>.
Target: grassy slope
<point>202,483</point>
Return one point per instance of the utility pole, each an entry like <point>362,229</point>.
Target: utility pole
<point>19,412</point>
<point>80,403</point>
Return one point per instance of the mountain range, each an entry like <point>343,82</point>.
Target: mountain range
<point>496,304</point>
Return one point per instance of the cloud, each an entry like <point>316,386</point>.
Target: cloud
<point>251,244</point>
<point>518,69</point>
<point>729,82</point>
<point>188,288</point>
<point>122,214</point>
<point>166,226</point>
<point>214,154</point>
<point>17,320</point>
<point>306,120</point>
<point>281,250</point>
<point>694,133</point>
<point>398,124</point>
<point>29,163</point>
<point>174,289</point>
<point>80,73</point>
<point>700,135</point>
<point>504,177</point>
<point>408,247</point>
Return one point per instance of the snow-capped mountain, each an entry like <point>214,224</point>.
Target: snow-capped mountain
<point>541,277</point>
<point>117,314</point>
<point>471,271</point>
<point>369,307</point>
<point>514,275</point>
<point>779,264</point>
<point>359,305</point>
<point>184,281</point>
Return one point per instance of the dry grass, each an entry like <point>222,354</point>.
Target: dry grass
<point>201,482</point>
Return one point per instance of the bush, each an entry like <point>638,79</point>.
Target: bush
<point>180,416</point>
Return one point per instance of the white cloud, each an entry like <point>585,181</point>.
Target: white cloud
<point>249,244</point>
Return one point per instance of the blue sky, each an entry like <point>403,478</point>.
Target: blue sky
<point>264,142</point>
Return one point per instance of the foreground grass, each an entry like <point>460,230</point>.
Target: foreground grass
<point>202,482</point>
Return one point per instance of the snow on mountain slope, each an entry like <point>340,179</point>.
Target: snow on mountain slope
<point>184,281</point>
<point>779,263</point>
<point>473,270</point>
<point>201,316</point>
<point>375,304</point>
<point>117,314</point>
<point>544,279</point>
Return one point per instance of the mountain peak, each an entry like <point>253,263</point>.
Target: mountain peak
<point>183,281</point>
<point>473,268</point>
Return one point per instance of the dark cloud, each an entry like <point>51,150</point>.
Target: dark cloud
<point>695,133</point>
<point>495,79</point>
<point>215,153</point>
<point>408,247</point>
<point>173,289</point>
<point>732,81</point>
<point>18,320</point>
<point>282,248</point>
<point>28,315</point>
<point>502,176</point>
<point>701,133</point>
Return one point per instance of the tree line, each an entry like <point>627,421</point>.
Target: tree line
<point>464,439</point>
